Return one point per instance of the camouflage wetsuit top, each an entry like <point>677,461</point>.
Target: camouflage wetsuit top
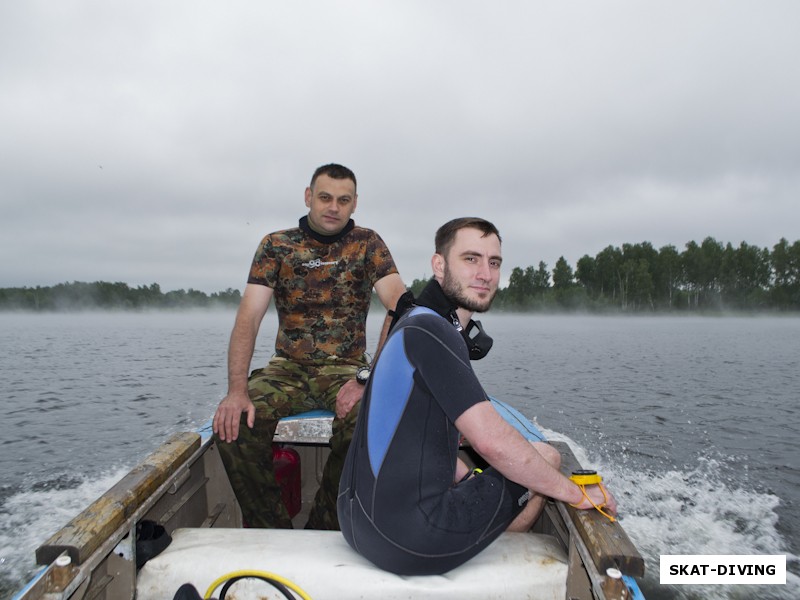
<point>322,288</point>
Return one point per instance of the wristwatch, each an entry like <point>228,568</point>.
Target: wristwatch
<point>362,375</point>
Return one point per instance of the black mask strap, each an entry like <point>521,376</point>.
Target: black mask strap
<point>478,341</point>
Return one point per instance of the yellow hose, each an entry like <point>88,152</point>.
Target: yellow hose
<point>251,573</point>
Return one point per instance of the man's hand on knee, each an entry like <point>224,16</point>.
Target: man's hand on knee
<point>229,414</point>
<point>348,396</point>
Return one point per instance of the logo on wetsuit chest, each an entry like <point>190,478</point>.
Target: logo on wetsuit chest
<point>313,264</point>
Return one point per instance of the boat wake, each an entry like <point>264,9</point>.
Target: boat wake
<point>698,510</point>
<point>28,517</point>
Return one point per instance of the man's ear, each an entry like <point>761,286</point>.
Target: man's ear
<point>308,197</point>
<point>437,264</point>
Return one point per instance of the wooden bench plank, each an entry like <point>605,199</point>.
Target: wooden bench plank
<point>84,534</point>
<point>607,542</point>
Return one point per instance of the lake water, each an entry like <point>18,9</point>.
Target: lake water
<point>692,421</point>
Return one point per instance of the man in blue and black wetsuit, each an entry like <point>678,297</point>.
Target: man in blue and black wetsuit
<point>406,501</point>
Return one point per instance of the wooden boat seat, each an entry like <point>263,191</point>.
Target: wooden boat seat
<point>312,427</point>
<point>517,565</point>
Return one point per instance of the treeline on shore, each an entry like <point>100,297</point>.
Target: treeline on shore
<point>635,278</point>
<point>705,277</point>
<point>103,295</point>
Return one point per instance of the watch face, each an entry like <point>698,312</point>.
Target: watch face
<point>362,375</point>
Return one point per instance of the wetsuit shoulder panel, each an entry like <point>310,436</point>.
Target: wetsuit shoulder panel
<point>391,382</point>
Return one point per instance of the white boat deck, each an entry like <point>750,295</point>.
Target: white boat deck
<point>517,565</point>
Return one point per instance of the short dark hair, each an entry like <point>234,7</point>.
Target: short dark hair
<point>333,171</point>
<point>446,234</point>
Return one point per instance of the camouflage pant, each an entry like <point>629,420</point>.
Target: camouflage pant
<point>281,389</point>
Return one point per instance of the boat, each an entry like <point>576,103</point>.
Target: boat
<point>174,520</point>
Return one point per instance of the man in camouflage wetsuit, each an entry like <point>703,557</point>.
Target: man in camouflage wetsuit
<point>321,275</point>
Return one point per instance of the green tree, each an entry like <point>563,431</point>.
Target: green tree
<point>520,290</point>
<point>785,264</point>
<point>566,292</point>
<point>639,283</point>
<point>541,278</point>
<point>586,275</point>
<point>744,275</point>
<point>667,275</point>
<point>563,277</point>
<point>607,267</point>
<point>541,282</point>
<point>702,266</point>
<point>635,275</point>
<point>229,297</point>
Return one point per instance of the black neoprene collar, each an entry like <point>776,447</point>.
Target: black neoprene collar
<point>325,239</point>
<point>432,296</point>
<point>478,341</point>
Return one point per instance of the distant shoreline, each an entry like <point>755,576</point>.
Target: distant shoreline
<point>706,279</point>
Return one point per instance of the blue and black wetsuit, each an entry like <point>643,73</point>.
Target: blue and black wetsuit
<point>398,504</point>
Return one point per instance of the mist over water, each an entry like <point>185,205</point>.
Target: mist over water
<point>692,421</point>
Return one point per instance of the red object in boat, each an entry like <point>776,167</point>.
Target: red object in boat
<point>287,473</point>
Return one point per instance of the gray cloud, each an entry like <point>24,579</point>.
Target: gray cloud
<point>158,142</point>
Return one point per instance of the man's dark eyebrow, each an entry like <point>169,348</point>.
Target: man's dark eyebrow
<point>476,253</point>
<point>329,195</point>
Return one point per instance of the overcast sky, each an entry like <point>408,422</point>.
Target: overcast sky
<point>157,142</point>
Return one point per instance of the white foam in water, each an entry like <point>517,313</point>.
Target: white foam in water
<point>696,511</point>
<point>29,518</point>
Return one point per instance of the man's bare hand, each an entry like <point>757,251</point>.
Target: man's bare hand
<point>229,413</point>
<point>349,395</point>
